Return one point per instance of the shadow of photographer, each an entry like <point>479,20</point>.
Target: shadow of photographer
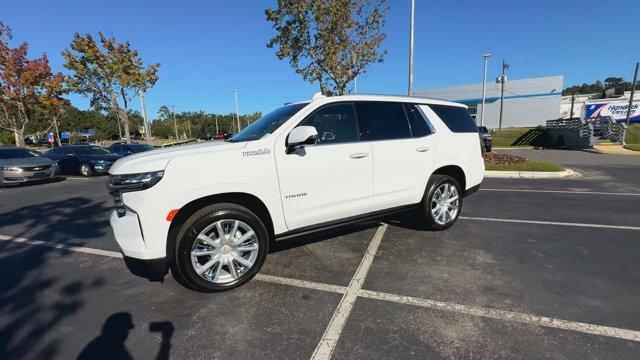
<point>110,344</point>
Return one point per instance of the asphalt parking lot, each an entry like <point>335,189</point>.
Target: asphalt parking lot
<point>533,269</point>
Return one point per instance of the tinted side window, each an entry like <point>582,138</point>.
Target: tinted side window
<point>456,118</point>
<point>419,127</point>
<point>336,123</point>
<point>382,121</point>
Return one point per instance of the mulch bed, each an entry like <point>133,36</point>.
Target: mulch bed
<point>503,159</point>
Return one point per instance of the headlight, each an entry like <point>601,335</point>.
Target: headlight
<point>98,162</point>
<point>12,168</point>
<point>134,182</point>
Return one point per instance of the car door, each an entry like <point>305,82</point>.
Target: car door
<point>68,162</point>
<point>402,154</point>
<point>331,180</point>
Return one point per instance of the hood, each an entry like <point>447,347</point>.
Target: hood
<point>23,162</point>
<point>155,160</point>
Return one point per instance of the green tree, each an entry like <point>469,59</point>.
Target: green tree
<point>329,41</point>
<point>52,102</point>
<point>110,73</point>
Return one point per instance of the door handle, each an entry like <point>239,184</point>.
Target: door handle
<point>422,149</point>
<point>358,155</point>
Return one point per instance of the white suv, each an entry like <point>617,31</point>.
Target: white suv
<point>209,211</point>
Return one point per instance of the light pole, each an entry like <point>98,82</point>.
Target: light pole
<point>235,94</point>
<point>484,86</point>
<point>413,10</point>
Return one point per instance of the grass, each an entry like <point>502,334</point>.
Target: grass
<point>635,147</point>
<point>530,165</point>
<point>506,137</point>
<point>633,134</point>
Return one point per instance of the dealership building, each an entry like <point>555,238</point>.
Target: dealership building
<point>527,102</point>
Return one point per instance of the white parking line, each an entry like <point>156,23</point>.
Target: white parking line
<point>506,315</point>
<point>340,316</point>
<point>602,226</point>
<point>301,283</point>
<point>356,283</point>
<point>563,192</point>
<point>61,246</point>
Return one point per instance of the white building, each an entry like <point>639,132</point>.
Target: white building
<point>527,102</point>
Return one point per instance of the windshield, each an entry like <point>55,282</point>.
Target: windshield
<point>268,123</point>
<point>90,150</point>
<point>17,154</point>
<point>141,148</point>
<point>483,129</point>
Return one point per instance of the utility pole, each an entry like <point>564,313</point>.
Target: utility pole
<point>175,124</point>
<point>413,10</point>
<point>573,100</point>
<point>147,126</point>
<point>505,66</point>
<point>216,124</point>
<point>235,94</point>
<point>633,90</point>
<point>484,86</point>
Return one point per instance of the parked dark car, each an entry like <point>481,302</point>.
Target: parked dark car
<point>19,165</point>
<point>485,136</point>
<point>85,160</point>
<point>126,149</point>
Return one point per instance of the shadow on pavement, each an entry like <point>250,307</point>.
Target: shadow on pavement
<point>33,301</point>
<point>110,344</point>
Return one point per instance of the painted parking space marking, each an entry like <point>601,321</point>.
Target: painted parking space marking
<point>503,315</point>
<point>519,221</point>
<point>563,192</point>
<point>506,315</point>
<point>332,333</point>
<point>67,247</point>
<point>301,283</point>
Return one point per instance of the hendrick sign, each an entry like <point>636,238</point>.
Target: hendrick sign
<point>617,110</point>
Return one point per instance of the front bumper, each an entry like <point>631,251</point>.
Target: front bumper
<point>17,177</point>
<point>139,260</point>
<point>101,167</point>
<point>150,269</point>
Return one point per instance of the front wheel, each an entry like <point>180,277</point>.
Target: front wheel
<point>220,247</point>
<point>441,203</point>
<point>85,170</point>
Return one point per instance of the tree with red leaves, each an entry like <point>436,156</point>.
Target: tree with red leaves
<point>21,84</point>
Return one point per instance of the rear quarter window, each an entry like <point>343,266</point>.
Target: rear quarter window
<point>456,118</point>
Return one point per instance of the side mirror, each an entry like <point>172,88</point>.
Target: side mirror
<point>300,136</point>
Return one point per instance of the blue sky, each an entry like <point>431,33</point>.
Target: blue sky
<point>209,47</point>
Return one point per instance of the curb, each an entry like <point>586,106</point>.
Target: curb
<point>567,173</point>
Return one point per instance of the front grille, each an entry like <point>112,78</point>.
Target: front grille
<point>36,168</point>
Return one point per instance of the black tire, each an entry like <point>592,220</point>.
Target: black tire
<point>85,170</point>
<point>425,215</point>
<point>183,267</point>
<point>487,148</point>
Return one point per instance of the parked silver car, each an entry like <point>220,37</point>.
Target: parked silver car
<point>19,165</point>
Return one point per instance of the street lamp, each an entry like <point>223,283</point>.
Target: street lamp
<point>484,86</point>
<point>235,94</point>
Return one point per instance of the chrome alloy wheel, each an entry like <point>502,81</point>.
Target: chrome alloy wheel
<point>445,204</point>
<point>224,251</point>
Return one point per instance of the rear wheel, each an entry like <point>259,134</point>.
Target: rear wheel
<point>220,247</point>
<point>441,203</point>
<point>85,170</point>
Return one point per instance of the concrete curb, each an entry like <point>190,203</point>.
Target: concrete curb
<point>567,173</point>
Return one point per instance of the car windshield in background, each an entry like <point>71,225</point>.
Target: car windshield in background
<point>483,129</point>
<point>90,150</point>
<point>17,154</point>
<point>268,123</point>
<point>141,148</point>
